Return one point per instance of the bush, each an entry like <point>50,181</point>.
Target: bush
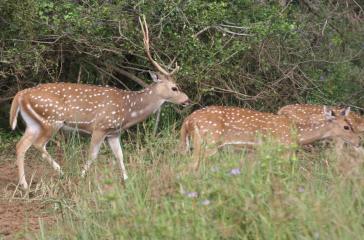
<point>242,52</point>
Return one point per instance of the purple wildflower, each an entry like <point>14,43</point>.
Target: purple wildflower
<point>191,194</point>
<point>235,171</point>
<point>301,189</point>
<point>205,202</point>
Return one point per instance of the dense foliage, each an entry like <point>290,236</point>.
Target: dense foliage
<point>242,52</point>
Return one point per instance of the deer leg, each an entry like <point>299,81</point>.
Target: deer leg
<point>203,147</point>
<point>197,142</point>
<point>21,148</point>
<point>96,140</point>
<point>115,146</point>
<point>41,143</point>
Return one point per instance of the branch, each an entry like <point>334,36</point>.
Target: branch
<point>130,76</point>
<point>109,74</point>
<point>315,11</point>
<point>203,30</point>
<point>361,9</point>
<point>225,28</point>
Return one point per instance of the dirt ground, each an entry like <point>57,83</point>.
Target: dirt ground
<point>21,214</point>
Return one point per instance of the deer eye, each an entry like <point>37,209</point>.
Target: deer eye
<point>346,127</point>
<point>174,89</point>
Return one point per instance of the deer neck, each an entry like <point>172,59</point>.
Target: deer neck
<point>358,123</point>
<point>140,105</point>
<point>308,133</point>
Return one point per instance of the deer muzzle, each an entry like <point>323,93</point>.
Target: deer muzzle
<point>186,103</point>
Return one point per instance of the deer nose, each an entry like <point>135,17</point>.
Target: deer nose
<point>186,103</point>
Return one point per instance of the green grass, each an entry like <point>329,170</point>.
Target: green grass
<point>312,196</point>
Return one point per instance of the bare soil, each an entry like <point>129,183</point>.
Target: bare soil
<point>20,213</point>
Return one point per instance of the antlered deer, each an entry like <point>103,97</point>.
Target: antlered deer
<point>102,112</point>
<point>308,113</point>
<point>216,126</point>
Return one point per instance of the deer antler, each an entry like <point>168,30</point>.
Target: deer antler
<point>144,26</point>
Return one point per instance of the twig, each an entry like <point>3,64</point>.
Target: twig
<point>233,26</point>
<point>224,28</point>
<point>246,97</point>
<point>36,41</point>
<point>130,76</point>
<point>315,10</point>
<point>79,74</point>
<point>324,27</point>
<point>109,74</point>
<point>287,5</point>
<point>61,62</point>
<point>203,30</point>
<point>361,9</point>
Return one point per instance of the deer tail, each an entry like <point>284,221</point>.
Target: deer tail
<point>185,137</point>
<point>14,111</point>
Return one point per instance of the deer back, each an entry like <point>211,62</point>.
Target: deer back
<point>233,125</point>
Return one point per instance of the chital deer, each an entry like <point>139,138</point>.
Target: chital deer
<point>309,113</point>
<point>215,126</point>
<point>306,113</point>
<point>102,112</point>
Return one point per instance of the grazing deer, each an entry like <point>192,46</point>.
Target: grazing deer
<point>217,126</point>
<point>102,112</point>
<point>308,113</point>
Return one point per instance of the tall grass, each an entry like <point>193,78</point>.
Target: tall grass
<point>239,195</point>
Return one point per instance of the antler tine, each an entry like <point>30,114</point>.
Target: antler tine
<point>175,69</point>
<point>144,26</point>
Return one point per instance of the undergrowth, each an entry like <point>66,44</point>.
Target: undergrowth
<point>235,194</point>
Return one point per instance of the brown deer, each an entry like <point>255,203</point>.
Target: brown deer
<point>102,112</point>
<point>216,126</point>
<point>306,113</point>
<point>309,113</point>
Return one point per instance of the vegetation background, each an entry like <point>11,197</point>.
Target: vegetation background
<point>252,53</point>
<point>256,53</point>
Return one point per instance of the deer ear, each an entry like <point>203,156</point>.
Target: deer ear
<point>154,76</point>
<point>329,114</point>
<point>345,112</point>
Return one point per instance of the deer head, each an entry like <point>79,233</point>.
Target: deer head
<point>341,127</point>
<point>165,85</point>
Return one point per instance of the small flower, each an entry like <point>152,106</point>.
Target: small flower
<point>322,78</point>
<point>301,189</point>
<point>191,194</point>
<point>205,202</point>
<point>235,171</point>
